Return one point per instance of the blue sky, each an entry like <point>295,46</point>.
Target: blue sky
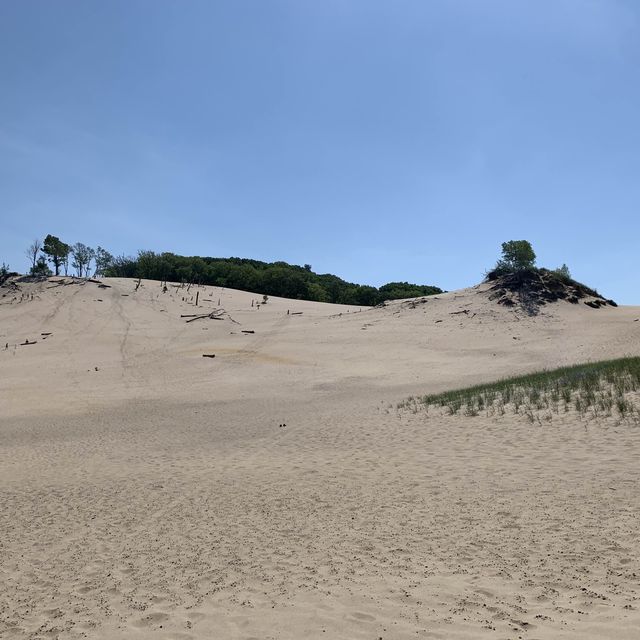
<point>381,141</point>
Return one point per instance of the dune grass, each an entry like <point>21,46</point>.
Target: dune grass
<point>595,389</point>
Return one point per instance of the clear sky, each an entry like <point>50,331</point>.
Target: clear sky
<point>380,141</point>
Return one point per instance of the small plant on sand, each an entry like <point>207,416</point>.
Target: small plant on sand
<point>563,272</point>
<point>610,388</point>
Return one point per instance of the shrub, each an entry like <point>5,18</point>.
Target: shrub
<point>517,256</point>
<point>563,272</point>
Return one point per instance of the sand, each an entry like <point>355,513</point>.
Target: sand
<point>147,491</point>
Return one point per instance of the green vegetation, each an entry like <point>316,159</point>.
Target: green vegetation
<point>266,278</point>
<point>103,260</point>
<point>56,251</point>
<point>40,268</point>
<point>598,389</point>
<point>4,272</point>
<point>516,281</point>
<point>271,279</point>
<point>563,272</point>
<point>82,257</point>
<point>517,256</point>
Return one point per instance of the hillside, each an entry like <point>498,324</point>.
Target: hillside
<point>143,348</point>
<point>270,278</point>
<point>276,490</point>
<point>535,288</point>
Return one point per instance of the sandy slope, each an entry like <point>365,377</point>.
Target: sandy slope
<point>158,495</point>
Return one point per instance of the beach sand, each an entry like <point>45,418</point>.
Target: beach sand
<point>276,490</point>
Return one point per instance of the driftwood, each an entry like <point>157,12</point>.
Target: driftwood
<point>46,333</point>
<point>22,344</point>
<point>296,313</point>
<point>208,355</point>
<point>101,284</point>
<point>248,331</point>
<point>214,315</point>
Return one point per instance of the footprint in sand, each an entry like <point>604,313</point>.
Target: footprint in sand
<point>363,617</point>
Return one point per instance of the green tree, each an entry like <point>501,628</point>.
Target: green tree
<point>57,252</point>
<point>40,268</point>
<point>4,272</point>
<point>317,292</point>
<point>563,272</point>
<point>104,261</point>
<point>517,256</point>
<point>148,266</point>
<point>396,290</point>
<point>82,257</point>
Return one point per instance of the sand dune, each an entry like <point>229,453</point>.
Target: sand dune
<point>148,491</point>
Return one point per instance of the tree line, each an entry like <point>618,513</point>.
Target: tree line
<point>270,278</point>
<point>63,257</point>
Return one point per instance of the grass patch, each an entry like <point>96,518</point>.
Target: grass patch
<point>606,388</point>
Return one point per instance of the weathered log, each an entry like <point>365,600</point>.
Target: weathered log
<point>208,355</point>
<point>101,284</point>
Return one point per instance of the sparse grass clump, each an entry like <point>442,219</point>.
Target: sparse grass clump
<point>596,389</point>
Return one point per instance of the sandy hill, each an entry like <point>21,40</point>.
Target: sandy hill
<point>148,490</point>
<point>96,343</point>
